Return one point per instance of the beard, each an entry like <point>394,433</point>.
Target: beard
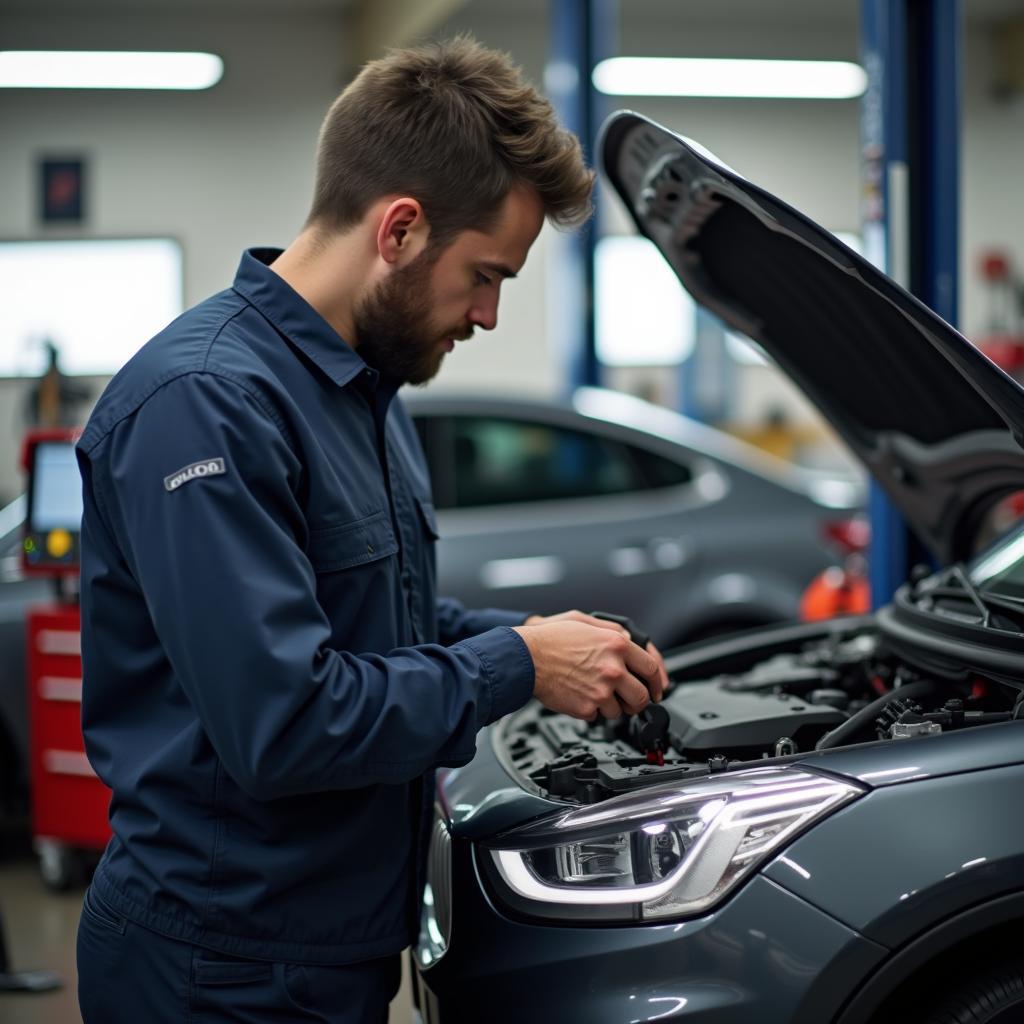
<point>394,330</point>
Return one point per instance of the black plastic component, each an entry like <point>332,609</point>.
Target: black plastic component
<point>850,730</point>
<point>897,711</point>
<point>636,634</point>
<point>838,699</point>
<point>782,670</point>
<point>955,709</point>
<point>707,719</point>
<point>935,642</point>
<point>572,775</point>
<point>587,778</point>
<point>649,729</point>
<point>920,572</point>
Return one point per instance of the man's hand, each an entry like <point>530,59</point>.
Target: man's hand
<point>584,666</point>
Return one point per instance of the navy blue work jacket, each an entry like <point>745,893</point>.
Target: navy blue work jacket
<point>269,679</point>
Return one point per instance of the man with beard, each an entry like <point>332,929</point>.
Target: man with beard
<point>270,679</point>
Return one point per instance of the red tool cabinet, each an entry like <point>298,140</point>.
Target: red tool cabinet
<point>69,803</point>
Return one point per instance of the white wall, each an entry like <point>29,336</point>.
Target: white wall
<point>218,170</point>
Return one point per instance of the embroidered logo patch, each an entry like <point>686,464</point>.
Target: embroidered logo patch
<point>208,467</point>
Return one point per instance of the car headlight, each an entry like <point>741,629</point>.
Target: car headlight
<point>667,852</point>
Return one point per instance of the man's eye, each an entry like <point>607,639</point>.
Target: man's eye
<point>482,278</point>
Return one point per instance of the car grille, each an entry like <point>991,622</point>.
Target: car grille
<point>439,877</point>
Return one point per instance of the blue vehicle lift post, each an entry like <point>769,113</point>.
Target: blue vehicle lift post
<point>910,133</point>
<point>582,34</point>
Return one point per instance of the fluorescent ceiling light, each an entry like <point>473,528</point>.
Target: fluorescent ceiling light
<point>115,69</point>
<point>698,76</point>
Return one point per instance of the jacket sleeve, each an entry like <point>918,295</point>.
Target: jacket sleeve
<point>455,623</point>
<point>231,593</point>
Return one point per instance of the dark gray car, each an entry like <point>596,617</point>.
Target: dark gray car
<point>820,823</point>
<point>611,502</point>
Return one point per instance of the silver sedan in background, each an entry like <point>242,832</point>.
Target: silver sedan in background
<point>612,503</point>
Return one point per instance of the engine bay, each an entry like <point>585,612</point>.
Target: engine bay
<point>756,699</point>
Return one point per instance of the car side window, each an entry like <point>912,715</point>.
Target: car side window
<point>657,471</point>
<point>506,461</point>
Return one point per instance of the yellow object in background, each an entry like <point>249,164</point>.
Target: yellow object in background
<point>58,543</point>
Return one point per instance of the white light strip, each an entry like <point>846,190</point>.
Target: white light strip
<point>753,79</point>
<point>67,762</point>
<point>59,641</point>
<point>54,688</point>
<point>84,69</point>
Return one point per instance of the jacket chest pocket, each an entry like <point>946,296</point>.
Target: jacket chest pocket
<point>347,545</point>
<point>428,518</point>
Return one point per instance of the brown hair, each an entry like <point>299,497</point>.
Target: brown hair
<point>454,125</point>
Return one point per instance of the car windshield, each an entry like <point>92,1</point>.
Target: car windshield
<point>1000,569</point>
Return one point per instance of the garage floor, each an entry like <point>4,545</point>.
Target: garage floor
<point>40,926</point>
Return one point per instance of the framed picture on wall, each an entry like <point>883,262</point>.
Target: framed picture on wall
<point>62,190</point>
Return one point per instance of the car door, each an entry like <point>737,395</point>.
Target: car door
<point>544,515</point>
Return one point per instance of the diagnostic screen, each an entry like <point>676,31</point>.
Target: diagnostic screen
<point>56,489</point>
<point>54,509</point>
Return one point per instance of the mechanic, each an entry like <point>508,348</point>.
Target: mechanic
<point>269,679</point>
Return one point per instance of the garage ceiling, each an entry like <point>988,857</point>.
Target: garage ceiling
<point>747,12</point>
<point>389,14</point>
<point>806,12</point>
<point>141,8</point>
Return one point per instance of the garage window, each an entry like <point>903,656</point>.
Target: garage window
<point>114,293</point>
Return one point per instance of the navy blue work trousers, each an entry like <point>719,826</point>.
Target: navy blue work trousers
<point>129,974</point>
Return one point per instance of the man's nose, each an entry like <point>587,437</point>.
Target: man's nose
<point>485,314</point>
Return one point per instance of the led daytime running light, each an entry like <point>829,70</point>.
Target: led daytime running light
<point>715,832</point>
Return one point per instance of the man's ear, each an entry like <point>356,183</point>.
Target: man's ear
<point>403,232</point>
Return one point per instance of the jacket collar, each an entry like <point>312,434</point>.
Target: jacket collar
<point>297,320</point>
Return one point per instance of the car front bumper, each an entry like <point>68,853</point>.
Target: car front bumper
<point>766,955</point>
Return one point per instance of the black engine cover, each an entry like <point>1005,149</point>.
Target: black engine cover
<point>706,719</point>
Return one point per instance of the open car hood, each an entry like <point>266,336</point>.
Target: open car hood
<point>938,424</point>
